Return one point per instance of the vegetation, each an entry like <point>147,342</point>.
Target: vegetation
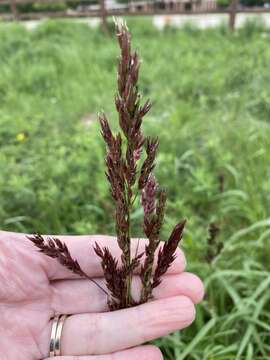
<point>212,107</point>
<point>55,6</point>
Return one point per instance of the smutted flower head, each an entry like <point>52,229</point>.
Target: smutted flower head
<point>128,179</point>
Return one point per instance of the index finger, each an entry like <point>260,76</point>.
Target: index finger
<point>81,249</point>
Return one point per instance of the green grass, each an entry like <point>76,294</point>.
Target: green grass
<point>211,91</point>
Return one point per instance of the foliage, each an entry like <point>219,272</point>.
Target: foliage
<point>223,3</point>
<point>54,6</point>
<point>211,91</point>
<point>253,2</point>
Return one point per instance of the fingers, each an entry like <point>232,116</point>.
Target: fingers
<point>81,248</point>
<point>82,296</point>
<point>186,284</point>
<point>105,333</point>
<point>143,353</point>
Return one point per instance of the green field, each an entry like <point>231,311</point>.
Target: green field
<point>211,93</point>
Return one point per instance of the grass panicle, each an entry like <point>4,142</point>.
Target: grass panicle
<point>127,178</point>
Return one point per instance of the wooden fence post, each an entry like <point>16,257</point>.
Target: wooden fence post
<point>103,15</point>
<point>14,10</point>
<point>232,14</point>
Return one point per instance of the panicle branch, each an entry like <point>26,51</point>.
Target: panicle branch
<point>167,254</point>
<point>56,249</point>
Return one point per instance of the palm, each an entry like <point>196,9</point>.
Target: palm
<point>25,298</point>
<point>33,288</point>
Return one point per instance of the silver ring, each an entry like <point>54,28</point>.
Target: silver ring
<point>55,341</point>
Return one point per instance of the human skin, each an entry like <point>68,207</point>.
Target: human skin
<point>33,288</point>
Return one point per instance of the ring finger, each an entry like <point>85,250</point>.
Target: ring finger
<point>105,333</point>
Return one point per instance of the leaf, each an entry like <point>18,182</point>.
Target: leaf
<point>199,337</point>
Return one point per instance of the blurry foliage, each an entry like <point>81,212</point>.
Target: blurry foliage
<point>211,92</point>
<point>60,5</point>
<point>253,2</point>
<point>223,3</point>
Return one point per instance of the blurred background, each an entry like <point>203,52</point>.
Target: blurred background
<point>206,68</point>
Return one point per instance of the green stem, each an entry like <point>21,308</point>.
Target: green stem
<point>135,197</point>
<point>129,277</point>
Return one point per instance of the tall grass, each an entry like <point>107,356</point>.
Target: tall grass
<point>212,108</point>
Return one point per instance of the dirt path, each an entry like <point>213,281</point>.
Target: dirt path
<point>202,21</point>
<point>205,21</point>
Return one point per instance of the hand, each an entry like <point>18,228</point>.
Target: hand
<point>33,288</point>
